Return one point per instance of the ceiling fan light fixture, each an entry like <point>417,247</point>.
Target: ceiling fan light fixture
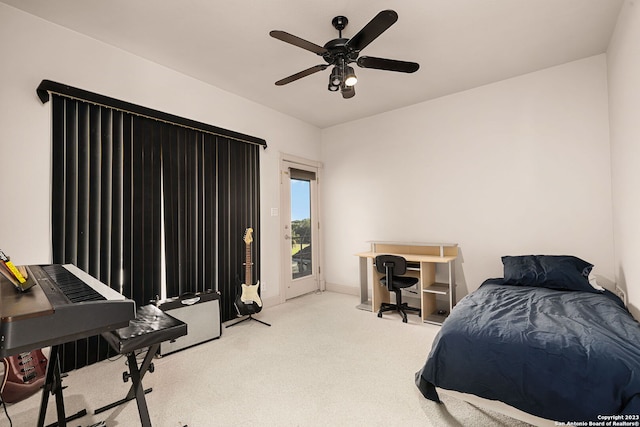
<point>335,78</point>
<point>350,78</point>
<point>348,91</point>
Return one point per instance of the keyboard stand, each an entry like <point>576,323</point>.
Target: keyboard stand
<point>136,391</point>
<point>53,385</point>
<point>150,328</point>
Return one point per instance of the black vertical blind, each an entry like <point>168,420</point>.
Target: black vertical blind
<point>189,177</point>
<point>125,186</point>
<point>87,204</point>
<point>239,209</point>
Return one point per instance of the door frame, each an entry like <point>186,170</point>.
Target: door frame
<point>287,161</point>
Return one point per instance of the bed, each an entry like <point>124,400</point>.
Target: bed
<point>543,340</point>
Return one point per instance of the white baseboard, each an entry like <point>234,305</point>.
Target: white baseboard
<point>342,289</point>
<point>271,301</point>
<point>331,287</point>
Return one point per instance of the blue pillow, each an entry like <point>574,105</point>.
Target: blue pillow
<point>563,272</point>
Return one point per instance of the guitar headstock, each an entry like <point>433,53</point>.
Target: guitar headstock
<point>248,236</point>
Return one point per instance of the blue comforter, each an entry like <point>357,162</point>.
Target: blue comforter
<point>560,355</point>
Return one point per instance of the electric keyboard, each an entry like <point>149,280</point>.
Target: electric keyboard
<point>65,304</point>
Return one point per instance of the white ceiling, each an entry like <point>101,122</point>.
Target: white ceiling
<point>459,44</point>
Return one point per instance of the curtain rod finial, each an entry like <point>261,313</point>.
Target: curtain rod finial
<point>42,92</point>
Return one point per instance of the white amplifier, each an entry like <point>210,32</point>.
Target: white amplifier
<point>201,313</point>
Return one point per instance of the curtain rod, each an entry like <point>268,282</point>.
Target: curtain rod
<point>47,86</point>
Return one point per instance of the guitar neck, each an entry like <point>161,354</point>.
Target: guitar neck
<point>247,265</point>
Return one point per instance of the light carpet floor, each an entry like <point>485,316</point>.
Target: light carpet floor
<point>321,363</point>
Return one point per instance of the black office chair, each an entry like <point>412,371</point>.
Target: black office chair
<point>393,267</point>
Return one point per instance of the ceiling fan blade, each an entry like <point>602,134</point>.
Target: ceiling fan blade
<point>387,64</point>
<point>348,92</point>
<point>378,25</point>
<point>301,74</point>
<point>297,41</point>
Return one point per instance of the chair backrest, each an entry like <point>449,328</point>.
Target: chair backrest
<point>397,264</point>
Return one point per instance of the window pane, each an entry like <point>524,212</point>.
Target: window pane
<point>301,264</point>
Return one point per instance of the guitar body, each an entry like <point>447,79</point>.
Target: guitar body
<point>248,302</point>
<point>250,294</point>
<point>24,375</point>
<point>246,308</point>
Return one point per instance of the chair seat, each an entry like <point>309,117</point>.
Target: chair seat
<point>401,281</point>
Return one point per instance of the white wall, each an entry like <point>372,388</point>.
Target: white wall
<point>623,58</point>
<point>520,166</point>
<point>517,167</point>
<point>32,49</point>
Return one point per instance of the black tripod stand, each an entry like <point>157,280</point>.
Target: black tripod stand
<point>248,308</point>
<point>250,317</point>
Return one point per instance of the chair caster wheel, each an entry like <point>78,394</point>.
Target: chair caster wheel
<point>404,320</point>
<point>379,314</point>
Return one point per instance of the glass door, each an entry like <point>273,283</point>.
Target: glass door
<point>300,230</point>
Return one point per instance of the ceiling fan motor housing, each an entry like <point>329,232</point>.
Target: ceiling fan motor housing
<point>336,49</point>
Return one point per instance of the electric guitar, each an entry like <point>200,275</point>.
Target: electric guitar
<point>24,375</point>
<point>249,301</point>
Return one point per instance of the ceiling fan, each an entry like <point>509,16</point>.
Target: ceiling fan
<point>341,52</point>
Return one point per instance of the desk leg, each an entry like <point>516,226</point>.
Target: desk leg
<point>364,282</point>
<point>365,304</point>
<point>452,285</point>
<point>379,293</point>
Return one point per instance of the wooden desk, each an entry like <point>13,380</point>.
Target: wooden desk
<point>426,257</point>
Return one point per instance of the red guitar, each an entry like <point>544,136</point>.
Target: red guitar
<point>24,375</point>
